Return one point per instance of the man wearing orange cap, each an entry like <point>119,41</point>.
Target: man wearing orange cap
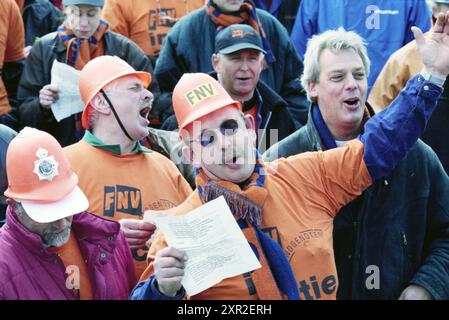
<point>294,200</point>
<point>120,177</point>
<point>50,248</point>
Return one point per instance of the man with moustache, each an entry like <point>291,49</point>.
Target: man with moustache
<point>50,247</point>
<point>120,177</point>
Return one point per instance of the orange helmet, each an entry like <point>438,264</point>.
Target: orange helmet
<point>40,176</point>
<point>198,94</point>
<point>97,73</point>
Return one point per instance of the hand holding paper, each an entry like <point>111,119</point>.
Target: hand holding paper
<point>136,232</point>
<point>213,242</point>
<point>68,102</point>
<point>48,95</point>
<point>169,270</point>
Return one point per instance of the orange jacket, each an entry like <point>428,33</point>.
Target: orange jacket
<point>12,42</point>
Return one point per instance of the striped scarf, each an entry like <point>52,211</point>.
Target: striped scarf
<point>81,51</point>
<point>275,280</point>
<point>246,15</point>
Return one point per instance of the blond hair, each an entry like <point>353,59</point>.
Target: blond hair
<point>336,41</point>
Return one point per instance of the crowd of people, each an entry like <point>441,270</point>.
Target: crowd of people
<point>325,136</point>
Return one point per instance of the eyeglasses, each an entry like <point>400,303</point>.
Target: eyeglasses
<point>227,128</point>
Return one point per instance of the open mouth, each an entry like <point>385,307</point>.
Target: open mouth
<point>352,101</point>
<point>232,163</point>
<point>145,112</point>
<point>243,78</point>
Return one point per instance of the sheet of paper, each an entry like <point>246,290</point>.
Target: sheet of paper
<point>215,246</point>
<point>66,79</point>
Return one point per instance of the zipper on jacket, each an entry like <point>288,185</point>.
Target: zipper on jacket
<point>404,239</point>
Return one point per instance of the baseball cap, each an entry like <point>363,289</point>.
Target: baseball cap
<point>238,37</point>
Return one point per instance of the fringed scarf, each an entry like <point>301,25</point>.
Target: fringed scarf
<point>246,15</point>
<point>81,51</point>
<point>275,280</point>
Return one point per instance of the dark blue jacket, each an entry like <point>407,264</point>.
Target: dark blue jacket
<point>437,131</point>
<point>400,224</point>
<point>191,42</point>
<point>284,10</point>
<point>39,18</point>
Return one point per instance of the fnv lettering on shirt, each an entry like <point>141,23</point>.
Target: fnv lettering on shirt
<point>122,199</point>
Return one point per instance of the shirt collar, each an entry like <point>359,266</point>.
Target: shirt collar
<point>114,148</point>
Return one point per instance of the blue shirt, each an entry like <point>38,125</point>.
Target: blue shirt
<point>384,24</point>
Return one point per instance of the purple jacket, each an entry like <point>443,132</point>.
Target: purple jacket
<point>30,272</point>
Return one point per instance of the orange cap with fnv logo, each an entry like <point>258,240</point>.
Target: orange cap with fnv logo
<point>198,94</point>
<point>97,73</point>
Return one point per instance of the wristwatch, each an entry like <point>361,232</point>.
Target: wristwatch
<point>436,80</point>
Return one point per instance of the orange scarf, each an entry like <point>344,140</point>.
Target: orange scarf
<point>275,280</point>
<point>81,51</point>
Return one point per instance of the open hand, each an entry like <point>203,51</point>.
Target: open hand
<point>435,49</point>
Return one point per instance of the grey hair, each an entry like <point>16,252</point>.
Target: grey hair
<point>92,115</point>
<point>336,41</point>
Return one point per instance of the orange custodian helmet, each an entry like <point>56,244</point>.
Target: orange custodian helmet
<point>198,94</point>
<point>40,177</point>
<point>97,73</point>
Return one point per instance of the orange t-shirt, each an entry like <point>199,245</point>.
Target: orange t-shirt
<point>12,42</point>
<point>124,186</point>
<point>146,22</point>
<point>305,193</point>
<point>76,267</point>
